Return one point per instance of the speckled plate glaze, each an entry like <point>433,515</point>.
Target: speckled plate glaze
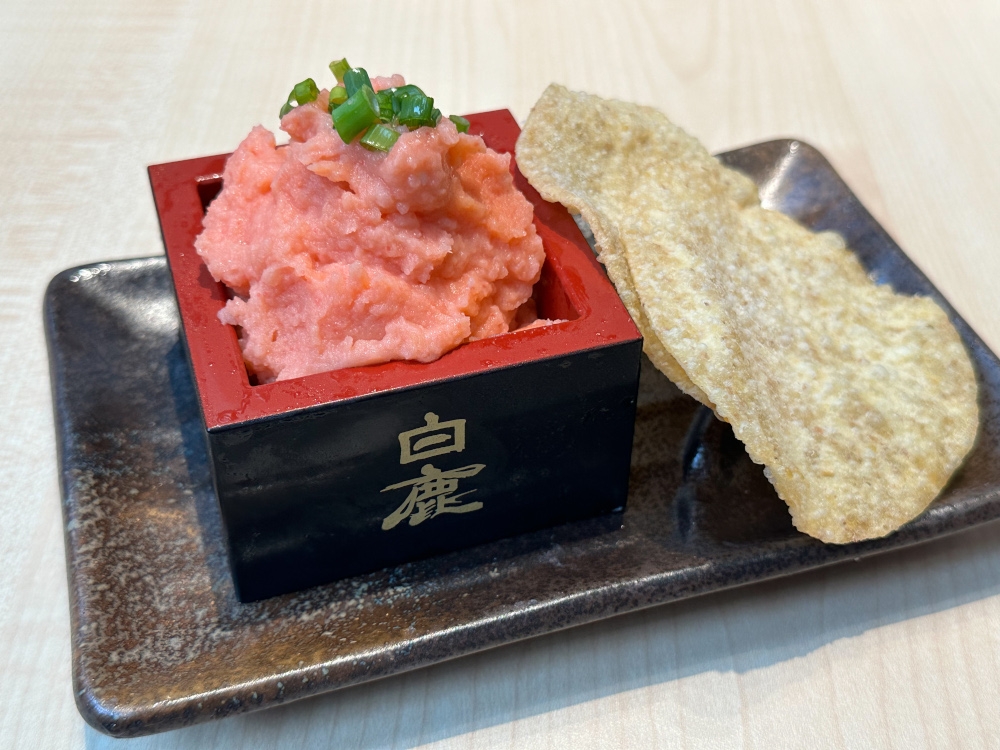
<point>159,639</point>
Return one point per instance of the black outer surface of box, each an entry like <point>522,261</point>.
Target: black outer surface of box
<point>302,496</point>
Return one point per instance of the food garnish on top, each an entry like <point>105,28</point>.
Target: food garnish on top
<point>860,402</point>
<point>381,231</point>
<point>375,112</point>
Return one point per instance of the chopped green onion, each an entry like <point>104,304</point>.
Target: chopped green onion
<point>415,110</point>
<point>355,115</point>
<point>379,138</point>
<point>339,67</point>
<point>302,93</point>
<point>355,78</point>
<point>305,91</point>
<point>357,109</point>
<point>385,108</point>
<point>407,90</point>
<point>338,95</point>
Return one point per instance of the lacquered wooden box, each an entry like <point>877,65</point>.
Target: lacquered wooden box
<point>345,472</point>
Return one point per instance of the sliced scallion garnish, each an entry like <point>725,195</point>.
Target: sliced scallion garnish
<point>302,93</point>
<point>378,117</point>
<point>355,78</point>
<point>338,95</point>
<point>356,115</point>
<point>379,137</point>
<point>338,68</point>
<point>385,108</point>
<point>414,110</point>
<point>407,90</point>
<point>305,91</point>
<point>430,119</point>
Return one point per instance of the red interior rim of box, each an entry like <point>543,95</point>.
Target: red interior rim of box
<point>573,284</point>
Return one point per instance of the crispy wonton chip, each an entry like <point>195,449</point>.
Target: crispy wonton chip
<point>860,402</point>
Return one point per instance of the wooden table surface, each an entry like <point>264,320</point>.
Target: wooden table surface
<point>903,97</point>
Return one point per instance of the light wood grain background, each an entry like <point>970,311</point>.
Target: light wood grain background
<point>903,97</point>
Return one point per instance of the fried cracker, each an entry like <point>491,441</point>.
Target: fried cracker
<point>860,402</point>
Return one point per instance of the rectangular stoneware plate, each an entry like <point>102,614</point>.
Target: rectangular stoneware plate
<point>159,638</point>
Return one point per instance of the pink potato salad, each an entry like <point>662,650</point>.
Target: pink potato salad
<point>340,255</point>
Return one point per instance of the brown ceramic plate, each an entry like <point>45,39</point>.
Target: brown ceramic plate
<point>159,639</point>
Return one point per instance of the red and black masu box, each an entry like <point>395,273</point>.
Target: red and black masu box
<point>346,472</point>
